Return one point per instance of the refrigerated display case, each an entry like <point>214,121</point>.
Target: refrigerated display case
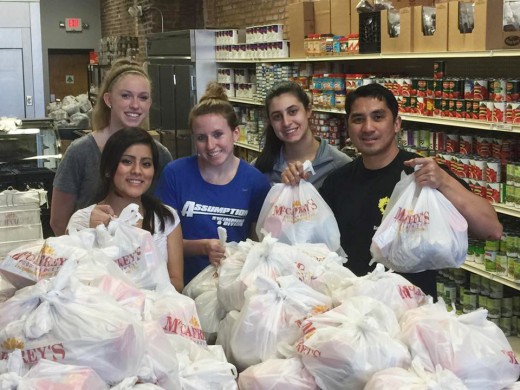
<point>29,156</point>
<point>180,65</point>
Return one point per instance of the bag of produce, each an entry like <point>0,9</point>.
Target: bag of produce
<point>421,230</point>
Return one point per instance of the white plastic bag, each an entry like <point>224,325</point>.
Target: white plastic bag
<point>421,230</point>
<point>344,347</point>
<point>387,287</point>
<point>225,333</point>
<point>70,323</point>
<point>415,378</point>
<point>159,364</point>
<point>298,214</point>
<point>469,345</point>
<point>7,290</point>
<point>277,374</point>
<point>137,253</point>
<point>51,375</point>
<point>175,312</point>
<point>206,280</point>
<point>271,315</point>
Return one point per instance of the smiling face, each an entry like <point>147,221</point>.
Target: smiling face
<point>214,139</point>
<point>289,118</point>
<point>130,101</point>
<point>134,172</point>
<point>372,129</point>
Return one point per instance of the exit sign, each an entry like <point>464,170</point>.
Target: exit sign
<point>73,24</point>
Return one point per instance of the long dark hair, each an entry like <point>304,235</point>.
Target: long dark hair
<point>114,149</point>
<point>265,161</point>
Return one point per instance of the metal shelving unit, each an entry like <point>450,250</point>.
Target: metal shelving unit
<point>380,56</point>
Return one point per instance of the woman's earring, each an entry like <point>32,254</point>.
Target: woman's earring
<point>109,106</point>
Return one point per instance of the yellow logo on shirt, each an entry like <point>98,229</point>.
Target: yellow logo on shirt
<point>382,204</point>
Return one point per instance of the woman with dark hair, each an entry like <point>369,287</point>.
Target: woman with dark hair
<point>214,188</point>
<point>289,138</point>
<point>127,170</point>
<point>124,100</point>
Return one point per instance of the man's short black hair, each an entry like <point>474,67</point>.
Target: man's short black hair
<point>376,91</point>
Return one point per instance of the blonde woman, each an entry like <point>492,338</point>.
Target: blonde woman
<point>124,100</point>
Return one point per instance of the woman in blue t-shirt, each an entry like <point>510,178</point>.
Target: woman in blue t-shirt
<point>214,188</point>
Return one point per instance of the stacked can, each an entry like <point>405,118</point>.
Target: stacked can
<point>267,75</point>
<point>251,124</point>
<point>476,252</point>
<point>512,241</point>
<point>503,310</point>
<point>355,80</point>
<point>512,184</point>
<point>328,127</point>
<point>328,91</point>
<point>450,285</point>
<point>418,141</point>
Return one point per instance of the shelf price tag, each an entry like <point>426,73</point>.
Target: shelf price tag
<point>501,126</point>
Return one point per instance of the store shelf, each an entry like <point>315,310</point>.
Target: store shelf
<point>503,209</point>
<point>452,122</point>
<point>477,125</point>
<point>246,101</point>
<point>379,56</point>
<point>479,269</point>
<point>244,145</point>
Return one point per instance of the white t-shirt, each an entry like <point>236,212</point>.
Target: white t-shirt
<point>81,220</point>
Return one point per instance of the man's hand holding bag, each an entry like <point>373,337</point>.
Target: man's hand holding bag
<point>421,230</point>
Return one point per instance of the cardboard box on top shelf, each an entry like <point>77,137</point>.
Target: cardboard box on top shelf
<point>438,41</point>
<point>340,17</point>
<point>322,17</point>
<point>403,43</point>
<point>301,23</point>
<point>486,33</point>
<point>412,3</point>
<point>354,17</point>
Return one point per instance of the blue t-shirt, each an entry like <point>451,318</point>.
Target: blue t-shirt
<point>203,206</point>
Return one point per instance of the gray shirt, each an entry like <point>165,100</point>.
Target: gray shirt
<point>327,159</point>
<point>78,171</point>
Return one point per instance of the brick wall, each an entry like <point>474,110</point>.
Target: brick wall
<point>177,15</point>
<point>243,13</point>
<point>187,14</point>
